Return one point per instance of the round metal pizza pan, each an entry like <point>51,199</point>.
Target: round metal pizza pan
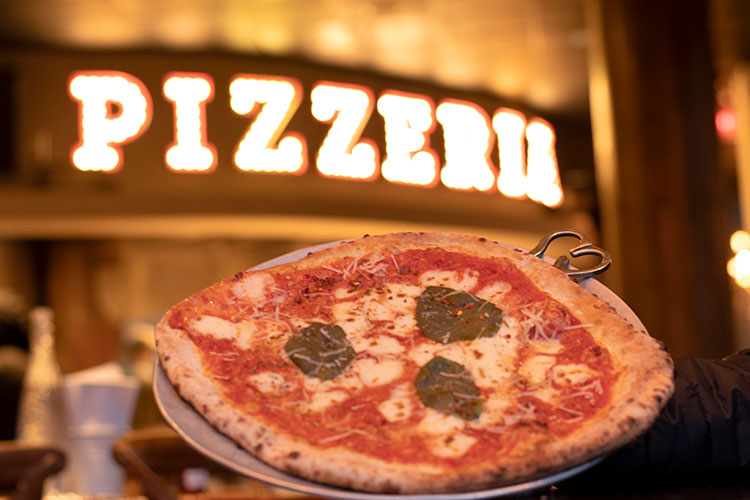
<point>205,438</point>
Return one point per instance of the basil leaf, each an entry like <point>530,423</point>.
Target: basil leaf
<point>321,351</point>
<point>447,387</point>
<point>446,315</point>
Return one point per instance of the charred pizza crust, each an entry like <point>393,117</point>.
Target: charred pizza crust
<point>643,385</point>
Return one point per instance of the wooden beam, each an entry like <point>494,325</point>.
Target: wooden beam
<point>658,178</point>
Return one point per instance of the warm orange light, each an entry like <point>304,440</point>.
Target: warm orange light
<point>347,108</point>
<point>408,122</point>
<point>740,240</point>
<point>738,266</point>
<point>726,123</point>
<point>190,151</point>
<point>509,127</point>
<point>468,140</point>
<point>543,178</point>
<point>114,108</point>
<point>258,151</point>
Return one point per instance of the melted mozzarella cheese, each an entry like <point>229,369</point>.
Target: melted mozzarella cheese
<point>375,309</point>
<point>435,423</point>
<point>453,445</point>
<point>494,292</point>
<point>241,333</point>
<point>348,315</point>
<point>378,345</point>
<point>322,400</point>
<point>546,346</point>
<point>394,305</point>
<point>402,301</point>
<point>450,279</point>
<point>373,372</point>
<point>398,406</point>
<point>487,359</point>
<point>217,328</point>
<point>402,298</point>
<point>348,380</point>
<point>546,393</point>
<point>446,438</point>
<point>572,374</point>
<point>253,286</point>
<point>535,368</point>
<point>404,325</point>
<point>490,360</point>
<point>424,352</point>
<point>493,408</point>
<point>269,383</point>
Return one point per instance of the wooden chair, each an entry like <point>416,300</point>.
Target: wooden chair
<point>24,468</point>
<point>157,456</point>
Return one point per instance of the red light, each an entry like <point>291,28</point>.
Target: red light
<point>726,123</point>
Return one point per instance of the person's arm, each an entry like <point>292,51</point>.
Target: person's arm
<point>703,430</point>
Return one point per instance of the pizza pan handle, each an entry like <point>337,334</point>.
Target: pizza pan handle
<point>585,248</point>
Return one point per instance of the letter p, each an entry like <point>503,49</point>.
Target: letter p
<point>114,108</point>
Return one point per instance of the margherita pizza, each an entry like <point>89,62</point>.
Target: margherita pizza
<point>414,363</point>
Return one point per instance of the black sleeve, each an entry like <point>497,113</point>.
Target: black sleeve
<point>703,430</point>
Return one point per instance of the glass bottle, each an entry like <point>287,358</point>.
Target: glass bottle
<point>40,410</point>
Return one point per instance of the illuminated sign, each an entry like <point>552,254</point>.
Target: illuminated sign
<point>467,146</point>
<point>190,152</point>
<point>262,149</point>
<point>509,126</point>
<point>409,119</point>
<point>542,177</point>
<point>115,108</point>
<point>347,109</point>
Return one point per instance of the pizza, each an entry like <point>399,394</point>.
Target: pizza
<point>414,363</point>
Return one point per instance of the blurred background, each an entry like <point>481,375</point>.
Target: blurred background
<point>646,108</point>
